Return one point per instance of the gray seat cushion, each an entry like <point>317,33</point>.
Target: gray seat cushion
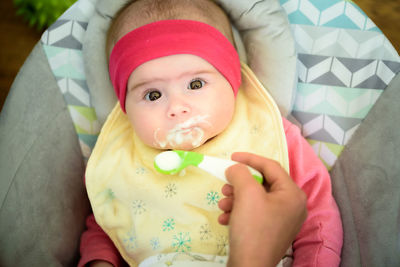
<point>366,184</point>
<point>43,200</point>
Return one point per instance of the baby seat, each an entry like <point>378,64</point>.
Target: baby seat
<point>330,69</point>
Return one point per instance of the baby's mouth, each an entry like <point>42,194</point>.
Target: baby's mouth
<point>192,135</point>
<point>185,130</point>
<point>187,133</point>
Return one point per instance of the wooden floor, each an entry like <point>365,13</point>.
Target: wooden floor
<point>17,39</point>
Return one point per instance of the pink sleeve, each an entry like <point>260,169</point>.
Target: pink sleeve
<point>96,245</point>
<point>320,239</point>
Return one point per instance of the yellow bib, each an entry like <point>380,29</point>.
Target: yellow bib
<point>146,213</point>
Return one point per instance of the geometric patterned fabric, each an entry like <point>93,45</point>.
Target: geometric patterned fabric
<point>62,43</point>
<point>344,64</point>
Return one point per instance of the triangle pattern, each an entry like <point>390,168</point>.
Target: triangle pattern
<point>66,34</point>
<point>335,101</point>
<point>346,72</point>
<point>326,128</point>
<point>75,90</point>
<point>345,43</point>
<point>394,66</point>
<point>84,120</point>
<point>327,152</point>
<point>328,78</point>
<point>337,14</point>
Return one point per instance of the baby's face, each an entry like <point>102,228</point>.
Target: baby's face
<point>178,102</point>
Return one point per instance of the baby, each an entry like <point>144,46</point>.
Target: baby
<point>180,85</point>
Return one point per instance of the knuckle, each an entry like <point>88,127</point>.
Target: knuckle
<point>273,166</point>
<point>272,163</point>
<point>302,197</point>
<point>298,200</point>
<point>302,200</point>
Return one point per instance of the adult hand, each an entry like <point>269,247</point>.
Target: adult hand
<point>263,222</point>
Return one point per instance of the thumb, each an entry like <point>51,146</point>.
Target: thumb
<point>272,171</point>
<point>239,176</point>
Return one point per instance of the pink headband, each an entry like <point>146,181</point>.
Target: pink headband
<point>171,37</point>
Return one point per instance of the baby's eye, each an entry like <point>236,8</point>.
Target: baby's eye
<point>153,95</point>
<point>196,84</point>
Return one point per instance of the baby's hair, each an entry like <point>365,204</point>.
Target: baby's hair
<point>137,13</point>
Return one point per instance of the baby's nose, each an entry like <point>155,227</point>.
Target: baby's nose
<point>178,110</point>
